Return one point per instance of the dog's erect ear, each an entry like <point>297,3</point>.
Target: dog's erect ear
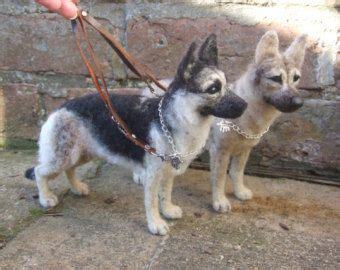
<point>268,47</point>
<point>187,64</point>
<point>295,53</point>
<point>208,52</point>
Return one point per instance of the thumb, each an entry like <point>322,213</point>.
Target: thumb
<point>50,5</point>
<point>68,9</point>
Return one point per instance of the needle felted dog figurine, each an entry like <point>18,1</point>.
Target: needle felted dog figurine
<point>178,122</point>
<point>269,88</point>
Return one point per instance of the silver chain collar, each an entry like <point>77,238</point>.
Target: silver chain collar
<point>226,126</point>
<point>176,157</point>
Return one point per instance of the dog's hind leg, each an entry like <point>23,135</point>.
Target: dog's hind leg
<point>59,150</point>
<point>44,173</point>
<point>78,187</point>
<point>48,171</point>
<point>168,209</point>
<point>238,163</point>
<point>219,161</point>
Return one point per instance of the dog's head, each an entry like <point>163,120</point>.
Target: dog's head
<point>277,74</point>
<point>199,77</point>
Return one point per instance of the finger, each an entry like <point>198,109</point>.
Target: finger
<point>52,5</point>
<point>75,1</point>
<point>68,9</point>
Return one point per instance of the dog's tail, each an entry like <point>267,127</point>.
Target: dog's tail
<point>30,174</point>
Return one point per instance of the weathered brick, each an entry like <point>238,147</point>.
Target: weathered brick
<point>337,65</point>
<point>18,7</point>
<point>330,3</point>
<point>19,111</point>
<point>41,43</point>
<point>51,102</point>
<point>305,136</point>
<point>161,43</point>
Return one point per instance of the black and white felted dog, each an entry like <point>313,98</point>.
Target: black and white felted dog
<point>82,129</point>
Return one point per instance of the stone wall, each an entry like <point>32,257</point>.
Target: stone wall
<point>40,66</point>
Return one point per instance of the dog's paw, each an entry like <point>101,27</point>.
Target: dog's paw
<point>137,179</point>
<point>222,205</point>
<point>159,227</point>
<point>80,189</point>
<point>243,193</point>
<point>172,212</point>
<point>48,200</point>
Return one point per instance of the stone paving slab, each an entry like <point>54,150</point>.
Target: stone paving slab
<point>107,229</point>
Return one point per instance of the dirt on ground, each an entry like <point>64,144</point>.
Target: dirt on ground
<point>287,225</point>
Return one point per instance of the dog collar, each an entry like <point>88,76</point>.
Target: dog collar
<point>176,158</point>
<point>226,126</point>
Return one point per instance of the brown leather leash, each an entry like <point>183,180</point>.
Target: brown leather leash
<point>98,77</point>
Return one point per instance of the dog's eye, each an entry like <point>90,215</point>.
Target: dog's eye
<point>277,79</point>
<point>296,77</point>
<point>214,88</point>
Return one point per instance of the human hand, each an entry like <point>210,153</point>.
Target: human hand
<point>66,8</point>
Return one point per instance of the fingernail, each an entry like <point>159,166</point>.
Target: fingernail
<point>74,17</point>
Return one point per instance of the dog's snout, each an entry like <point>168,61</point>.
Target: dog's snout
<point>293,104</point>
<point>297,102</point>
<point>284,101</point>
<point>229,106</point>
<point>237,105</point>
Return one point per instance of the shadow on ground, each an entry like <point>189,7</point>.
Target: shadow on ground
<point>289,224</point>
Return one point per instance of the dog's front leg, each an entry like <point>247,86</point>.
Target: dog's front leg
<point>219,161</point>
<point>236,173</point>
<point>156,224</point>
<point>168,209</point>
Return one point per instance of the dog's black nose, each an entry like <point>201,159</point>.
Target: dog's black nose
<point>284,102</point>
<point>229,106</point>
<point>297,102</point>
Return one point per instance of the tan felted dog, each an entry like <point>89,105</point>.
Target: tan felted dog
<point>269,86</point>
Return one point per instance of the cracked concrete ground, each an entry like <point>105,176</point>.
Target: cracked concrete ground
<point>107,229</point>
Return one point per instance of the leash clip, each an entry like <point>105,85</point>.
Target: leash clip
<point>81,13</point>
<point>225,125</point>
<point>74,26</point>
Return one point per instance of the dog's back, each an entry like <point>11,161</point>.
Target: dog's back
<point>136,110</point>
